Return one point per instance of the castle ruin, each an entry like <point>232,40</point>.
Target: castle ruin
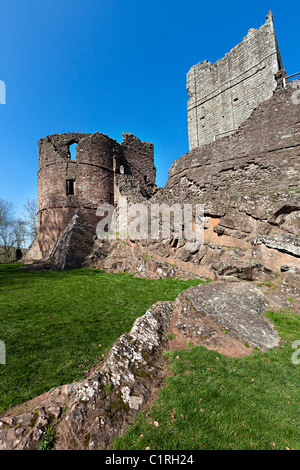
<point>66,186</point>
<point>248,180</point>
<point>224,94</point>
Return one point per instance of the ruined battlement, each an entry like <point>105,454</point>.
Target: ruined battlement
<point>222,95</point>
<point>260,158</point>
<point>67,185</point>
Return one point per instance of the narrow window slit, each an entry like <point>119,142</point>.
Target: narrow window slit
<point>70,186</point>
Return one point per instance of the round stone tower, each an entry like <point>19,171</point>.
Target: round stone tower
<point>66,185</point>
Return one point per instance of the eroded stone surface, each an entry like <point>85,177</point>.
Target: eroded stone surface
<point>98,409</point>
<point>120,256</point>
<point>285,242</point>
<point>90,414</point>
<point>231,306</point>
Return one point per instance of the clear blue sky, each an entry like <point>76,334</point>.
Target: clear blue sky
<point>113,66</point>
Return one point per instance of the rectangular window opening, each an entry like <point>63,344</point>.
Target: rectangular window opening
<point>70,186</point>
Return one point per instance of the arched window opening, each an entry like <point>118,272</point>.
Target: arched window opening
<point>73,151</point>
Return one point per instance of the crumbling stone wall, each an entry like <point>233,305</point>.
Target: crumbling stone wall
<point>140,159</point>
<point>260,158</point>
<point>222,95</point>
<point>249,186</point>
<point>67,186</point>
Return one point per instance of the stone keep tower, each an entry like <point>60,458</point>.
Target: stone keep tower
<point>224,94</point>
<point>67,186</point>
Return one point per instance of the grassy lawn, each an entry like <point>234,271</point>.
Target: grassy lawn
<point>213,402</point>
<point>57,324</point>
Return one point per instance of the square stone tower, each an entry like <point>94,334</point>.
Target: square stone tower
<point>222,95</point>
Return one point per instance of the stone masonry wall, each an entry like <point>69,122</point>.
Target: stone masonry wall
<point>92,176</point>
<point>222,95</point>
<point>262,157</point>
<point>249,185</point>
<point>140,159</point>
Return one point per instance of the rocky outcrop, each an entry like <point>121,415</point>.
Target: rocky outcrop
<point>209,313</point>
<point>248,243</point>
<point>287,243</point>
<point>124,256</point>
<point>90,414</point>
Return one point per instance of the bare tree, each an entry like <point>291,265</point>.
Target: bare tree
<point>19,233</point>
<point>13,232</point>
<point>6,213</point>
<point>30,219</point>
<point>6,220</point>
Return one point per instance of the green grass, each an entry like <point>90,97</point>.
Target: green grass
<point>48,439</point>
<point>58,324</point>
<point>217,403</point>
